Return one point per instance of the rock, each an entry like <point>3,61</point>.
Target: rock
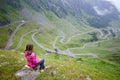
<point>88,78</point>
<point>4,22</point>
<point>82,76</point>
<point>27,74</point>
<point>53,73</point>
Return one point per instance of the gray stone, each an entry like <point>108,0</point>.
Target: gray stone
<point>27,74</point>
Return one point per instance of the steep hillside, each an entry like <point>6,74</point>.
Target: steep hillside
<point>9,11</point>
<point>94,13</point>
<point>86,30</point>
<point>65,24</point>
<point>65,68</point>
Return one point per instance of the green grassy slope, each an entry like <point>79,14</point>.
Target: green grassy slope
<point>9,63</point>
<point>65,67</point>
<point>105,67</point>
<point>95,68</point>
<point>4,33</point>
<point>8,12</point>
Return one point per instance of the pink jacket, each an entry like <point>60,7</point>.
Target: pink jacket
<point>31,59</point>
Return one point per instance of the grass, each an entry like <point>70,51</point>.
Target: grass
<point>46,37</point>
<point>75,42</point>
<point>4,34</point>
<point>9,13</point>
<point>27,7</point>
<point>27,39</point>
<point>66,68</point>
<point>9,64</point>
<point>107,49</point>
<point>3,37</point>
<point>22,30</point>
<point>68,25</point>
<point>104,68</point>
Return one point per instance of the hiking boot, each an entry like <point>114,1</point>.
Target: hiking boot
<point>42,70</point>
<point>47,67</point>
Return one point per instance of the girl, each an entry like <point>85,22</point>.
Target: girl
<point>30,56</point>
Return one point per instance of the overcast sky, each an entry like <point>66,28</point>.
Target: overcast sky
<point>116,3</point>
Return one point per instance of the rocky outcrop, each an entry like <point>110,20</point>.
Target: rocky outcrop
<point>27,74</point>
<point>4,22</point>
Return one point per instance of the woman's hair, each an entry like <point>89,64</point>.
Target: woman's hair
<point>29,47</point>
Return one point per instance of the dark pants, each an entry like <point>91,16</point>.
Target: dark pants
<point>41,64</point>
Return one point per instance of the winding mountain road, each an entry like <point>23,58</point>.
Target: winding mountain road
<point>67,51</point>
<point>77,35</point>
<point>40,45</point>
<point>62,40</point>
<point>21,38</point>
<point>10,40</point>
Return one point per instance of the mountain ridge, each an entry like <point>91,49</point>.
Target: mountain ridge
<point>101,15</point>
<point>81,29</point>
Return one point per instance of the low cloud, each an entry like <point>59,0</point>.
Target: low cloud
<point>101,12</point>
<point>116,3</point>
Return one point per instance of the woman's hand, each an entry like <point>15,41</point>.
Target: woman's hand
<point>27,66</point>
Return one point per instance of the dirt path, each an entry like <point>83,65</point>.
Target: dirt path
<point>10,41</point>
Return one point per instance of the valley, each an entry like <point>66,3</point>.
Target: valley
<point>103,35</point>
<point>80,39</point>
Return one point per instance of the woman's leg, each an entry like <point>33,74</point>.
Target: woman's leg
<point>42,64</point>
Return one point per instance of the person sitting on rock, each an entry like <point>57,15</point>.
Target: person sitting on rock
<point>30,56</point>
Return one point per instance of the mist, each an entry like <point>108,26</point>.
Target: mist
<point>101,12</point>
<point>116,3</point>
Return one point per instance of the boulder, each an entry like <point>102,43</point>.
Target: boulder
<point>27,74</point>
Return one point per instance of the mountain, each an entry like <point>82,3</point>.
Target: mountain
<point>86,30</point>
<point>100,13</point>
<point>96,19</point>
<point>96,13</point>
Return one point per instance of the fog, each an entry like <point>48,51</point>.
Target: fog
<point>101,12</point>
<point>116,3</point>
